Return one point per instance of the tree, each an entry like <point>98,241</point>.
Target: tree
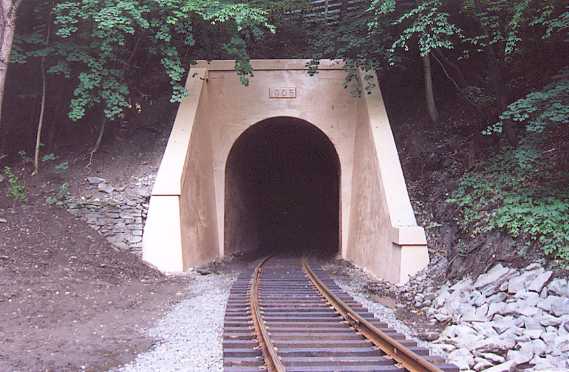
<point>379,37</point>
<point>41,118</point>
<point>117,31</point>
<point>503,31</point>
<point>108,58</point>
<point>426,25</point>
<point>429,93</point>
<point>8,11</point>
<point>107,48</point>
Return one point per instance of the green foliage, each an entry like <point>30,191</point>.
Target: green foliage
<point>437,24</point>
<point>513,193</point>
<point>102,45</point>
<point>16,189</point>
<point>540,109</point>
<point>543,220</point>
<point>506,32</point>
<point>428,25</point>
<point>48,157</point>
<point>501,23</point>
<point>62,167</point>
<point>60,196</point>
<point>363,42</point>
<point>244,69</point>
<point>553,18</point>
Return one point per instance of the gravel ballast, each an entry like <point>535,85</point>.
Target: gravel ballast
<point>355,282</point>
<point>190,335</point>
<point>380,312</point>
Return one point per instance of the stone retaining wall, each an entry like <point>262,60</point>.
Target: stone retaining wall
<point>118,214</point>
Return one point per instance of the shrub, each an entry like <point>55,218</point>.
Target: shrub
<point>515,192</point>
<point>16,189</point>
<point>60,196</point>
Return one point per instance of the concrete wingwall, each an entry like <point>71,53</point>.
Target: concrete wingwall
<point>188,219</point>
<point>383,228</point>
<point>181,227</point>
<point>197,204</point>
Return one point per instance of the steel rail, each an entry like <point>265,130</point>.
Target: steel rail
<point>393,348</point>
<point>272,360</point>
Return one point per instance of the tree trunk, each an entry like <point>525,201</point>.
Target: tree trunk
<point>43,98</point>
<point>40,120</point>
<point>502,94</point>
<point>99,140</point>
<point>500,89</point>
<point>429,94</point>
<point>8,9</point>
<point>458,75</point>
<point>343,11</point>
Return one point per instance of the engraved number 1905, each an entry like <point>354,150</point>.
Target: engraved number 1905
<point>282,92</point>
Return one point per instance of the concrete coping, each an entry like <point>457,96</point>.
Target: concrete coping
<point>408,235</point>
<point>271,64</point>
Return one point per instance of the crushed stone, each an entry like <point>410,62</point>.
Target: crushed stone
<point>191,333</point>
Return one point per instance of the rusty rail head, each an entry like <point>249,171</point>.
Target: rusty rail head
<point>272,360</point>
<point>391,347</point>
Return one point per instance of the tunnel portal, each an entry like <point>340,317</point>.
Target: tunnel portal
<point>291,163</point>
<point>282,192</point>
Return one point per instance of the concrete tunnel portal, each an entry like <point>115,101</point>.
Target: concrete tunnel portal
<point>282,193</point>
<point>291,163</point>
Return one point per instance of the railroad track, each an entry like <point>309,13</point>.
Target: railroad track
<point>289,316</point>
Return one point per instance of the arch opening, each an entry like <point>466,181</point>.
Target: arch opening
<point>282,191</point>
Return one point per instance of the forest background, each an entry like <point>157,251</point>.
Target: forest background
<point>488,82</point>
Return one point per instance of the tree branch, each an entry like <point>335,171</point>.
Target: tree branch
<point>456,85</point>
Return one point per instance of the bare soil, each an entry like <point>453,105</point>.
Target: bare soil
<point>68,300</point>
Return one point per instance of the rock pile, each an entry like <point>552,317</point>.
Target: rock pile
<point>503,319</point>
<point>420,290</point>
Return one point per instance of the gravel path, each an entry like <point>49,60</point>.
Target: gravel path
<point>191,333</point>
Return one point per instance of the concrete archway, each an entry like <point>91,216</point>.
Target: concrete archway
<point>282,190</point>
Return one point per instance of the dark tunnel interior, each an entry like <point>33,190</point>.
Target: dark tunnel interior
<point>282,190</point>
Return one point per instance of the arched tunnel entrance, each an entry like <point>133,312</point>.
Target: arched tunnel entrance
<point>282,193</point>
<point>230,181</point>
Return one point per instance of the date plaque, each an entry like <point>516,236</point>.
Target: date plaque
<point>282,92</point>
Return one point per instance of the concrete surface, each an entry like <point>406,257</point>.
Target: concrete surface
<point>187,221</point>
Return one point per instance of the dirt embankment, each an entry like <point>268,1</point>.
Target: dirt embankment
<point>434,157</point>
<point>69,300</point>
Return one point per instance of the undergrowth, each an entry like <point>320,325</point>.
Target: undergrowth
<point>519,192</point>
<point>59,196</point>
<point>16,189</point>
